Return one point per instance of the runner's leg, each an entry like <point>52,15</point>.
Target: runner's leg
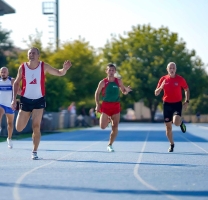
<point>103,120</point>
<point>36,122</point>
<point>10,120</point>
<point>115,121</point>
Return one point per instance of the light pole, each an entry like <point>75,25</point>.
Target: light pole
<point>52,8</point>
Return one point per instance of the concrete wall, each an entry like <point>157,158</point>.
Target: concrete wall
<point>141,111</point>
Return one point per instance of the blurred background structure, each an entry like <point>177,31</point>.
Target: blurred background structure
<point>5,8</point>
<point>52,9</point>
<point>137,39</point>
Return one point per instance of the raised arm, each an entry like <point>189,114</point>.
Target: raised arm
<point>125,90</point>
<point>97,95</point>
<point>16,86</point>
<point>57,72</point>
<point>160,87</point>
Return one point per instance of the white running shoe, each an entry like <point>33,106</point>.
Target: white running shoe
<point>110,148</point>
<point>34,155</point>
<point>9,142</point>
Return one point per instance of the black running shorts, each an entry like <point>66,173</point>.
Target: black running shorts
<point>28,105</point>
<point>170,109</point>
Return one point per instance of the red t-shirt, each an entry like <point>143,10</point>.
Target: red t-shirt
<point>172,88</point>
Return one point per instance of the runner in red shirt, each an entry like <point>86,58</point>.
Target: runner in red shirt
<point>171,84</point>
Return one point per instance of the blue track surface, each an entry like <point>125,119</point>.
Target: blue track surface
<point>76,165</point>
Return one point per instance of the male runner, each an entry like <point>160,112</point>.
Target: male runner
<point>172,84</point>
<point>32,100</point>
<point>110,107</point>
<point>6,84</point>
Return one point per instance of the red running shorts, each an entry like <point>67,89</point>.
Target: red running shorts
<point>110,108</point>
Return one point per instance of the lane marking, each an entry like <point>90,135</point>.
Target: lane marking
<point>138,177</point>
<point>21,178</point>
<point>194,144</point>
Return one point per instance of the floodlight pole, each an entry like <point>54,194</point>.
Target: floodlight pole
<point>49,9</point>
<point>57,24</point>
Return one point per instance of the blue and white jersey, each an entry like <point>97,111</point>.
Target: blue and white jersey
<point>6,92</point>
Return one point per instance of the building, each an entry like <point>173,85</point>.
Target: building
<point>5,8</point>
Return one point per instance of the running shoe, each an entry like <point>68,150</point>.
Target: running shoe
<point>34,155</point>
<point>183,127</point>
<point>110,148</point>
<point>9,142</point>
<point>171,148</point>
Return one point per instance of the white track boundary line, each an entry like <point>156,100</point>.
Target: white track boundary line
<point>138,177</point>
<point>194,144</point>
<point>21,178</point>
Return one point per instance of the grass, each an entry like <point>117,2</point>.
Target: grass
<point>29,135</point>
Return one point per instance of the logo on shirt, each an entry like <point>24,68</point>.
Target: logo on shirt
<point>176,83</point>
<point>115,86</point>
<point>34,81</point>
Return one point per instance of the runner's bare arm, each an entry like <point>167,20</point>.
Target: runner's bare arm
<point>97,95</point>
<point>16,86</point>
<point>19,89</point>
<point>159,89</point>
<point>187,94</point>
<point>57,72</point>
<point>98,91</point>
<point>125,90</point>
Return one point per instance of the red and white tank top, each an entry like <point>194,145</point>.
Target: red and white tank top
<point>33,81</point>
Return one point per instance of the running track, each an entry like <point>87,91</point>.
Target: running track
<point>76,165</point>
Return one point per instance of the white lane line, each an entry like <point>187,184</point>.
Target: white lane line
<point>200,126</point>
<point>20,179</point>
<point>194,144</point>
<point>138,177</point>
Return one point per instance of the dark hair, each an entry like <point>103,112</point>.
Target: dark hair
<point>111,65</point>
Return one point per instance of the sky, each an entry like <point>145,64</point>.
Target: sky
<point>97,20</point>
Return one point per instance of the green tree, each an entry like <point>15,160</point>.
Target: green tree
<point>57,92</point>
<point>142,57</point>
<point>5,45</point>
<point>85,72</point>
<point>199,104</point>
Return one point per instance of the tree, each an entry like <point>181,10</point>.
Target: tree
<point>85,72</point>
<point>142,57</point>
<point>199,104</point>
<point>58,90</point>
<point>5,45</point>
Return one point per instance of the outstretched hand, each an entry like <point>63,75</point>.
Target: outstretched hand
<point>127,89</point>
<point>67,64</point>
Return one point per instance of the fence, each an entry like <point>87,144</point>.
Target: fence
<point>193,118</point>
<point>51,121</point>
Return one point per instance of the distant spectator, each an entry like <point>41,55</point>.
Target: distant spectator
<point>83,112</point>
<point>198,116</point>
<point>92,116</point>
<point>72,108</point>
